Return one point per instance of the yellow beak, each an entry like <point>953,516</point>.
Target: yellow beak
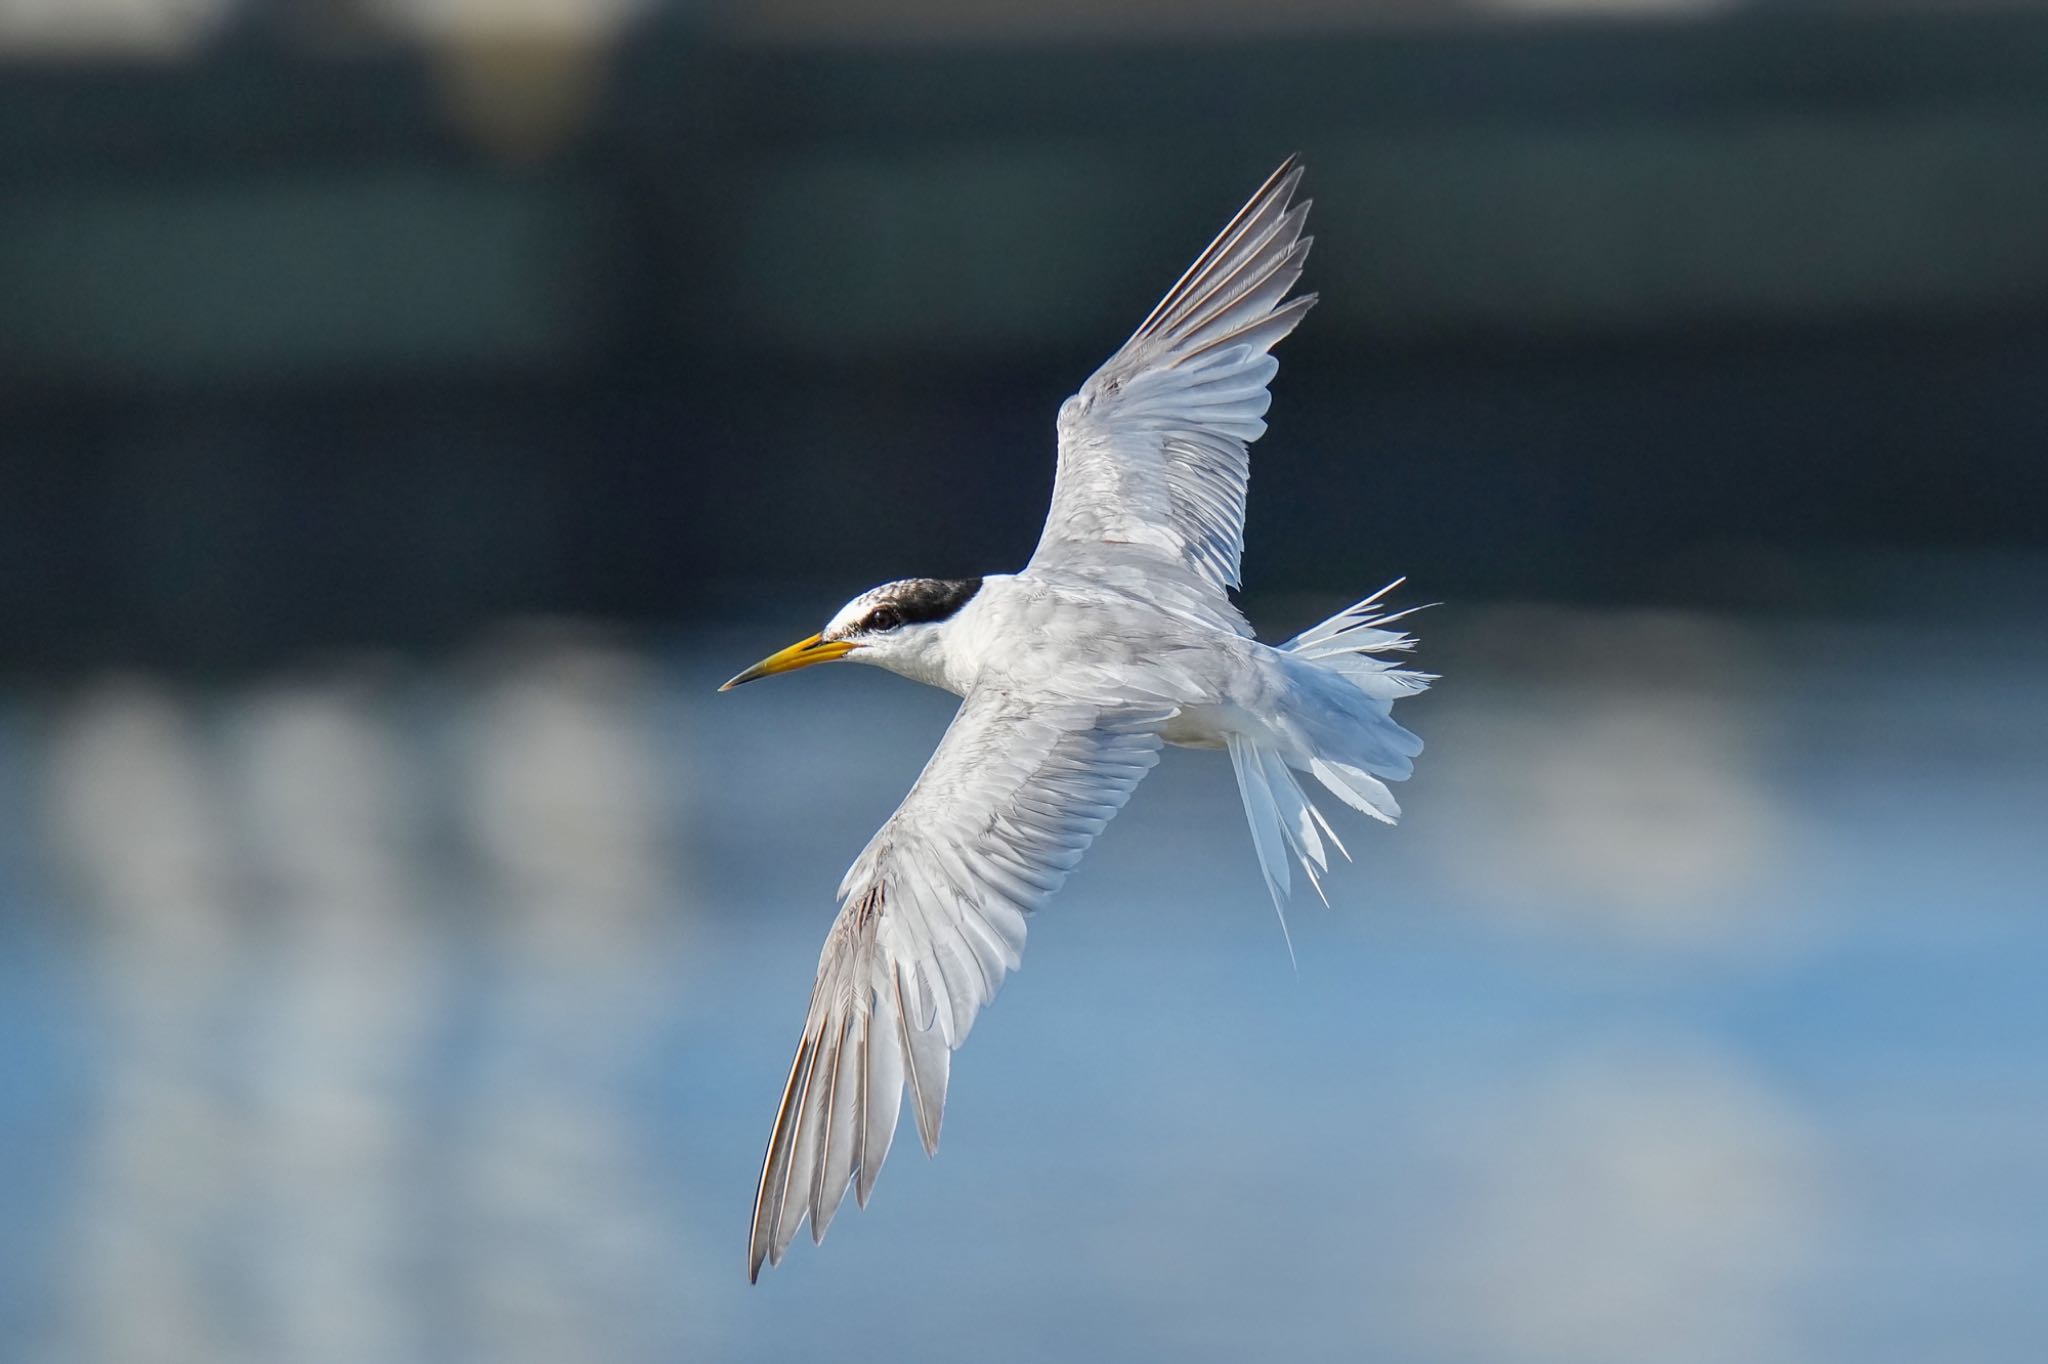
<point>801,654</point>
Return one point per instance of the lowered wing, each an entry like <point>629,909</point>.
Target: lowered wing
<point>931,918</point>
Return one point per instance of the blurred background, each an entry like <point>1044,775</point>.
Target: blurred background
<point>411,409</point>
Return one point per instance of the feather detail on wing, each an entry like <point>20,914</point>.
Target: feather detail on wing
<point>1153,447</point>
<point>931,919</point>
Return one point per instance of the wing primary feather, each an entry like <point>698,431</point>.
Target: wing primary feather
<point>1222,278</point>
<point>823,1179</point>
<point>1278,323</point>
<point>920,1060</point>
<point>802,1151</point>
<point>772,1165</point>
<point>1257,282</point>
<point>1289,171</point>
<point>860,1098</point>
<point>885,1093</point>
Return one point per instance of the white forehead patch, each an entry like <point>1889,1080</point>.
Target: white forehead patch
<point>855,611</point>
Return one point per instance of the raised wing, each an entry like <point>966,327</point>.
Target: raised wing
<point>1152,449</point>
<point>931,917</point>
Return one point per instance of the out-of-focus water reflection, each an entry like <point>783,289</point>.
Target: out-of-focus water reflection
<point>390,1013</point>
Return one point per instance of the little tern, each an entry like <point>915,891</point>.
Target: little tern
<point>1119,636</point>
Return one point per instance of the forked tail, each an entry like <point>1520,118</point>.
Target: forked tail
<point>1340,730</point>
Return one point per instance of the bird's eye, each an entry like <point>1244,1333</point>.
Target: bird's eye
<point>884,618</point>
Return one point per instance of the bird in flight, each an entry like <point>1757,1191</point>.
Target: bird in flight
<point>1118,637</point>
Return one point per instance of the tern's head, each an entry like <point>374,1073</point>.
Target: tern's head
<point>894,626</point>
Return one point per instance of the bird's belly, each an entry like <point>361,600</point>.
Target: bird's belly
<point>1200,726</point>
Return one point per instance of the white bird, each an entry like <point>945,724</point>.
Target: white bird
<point>1118,637</point>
